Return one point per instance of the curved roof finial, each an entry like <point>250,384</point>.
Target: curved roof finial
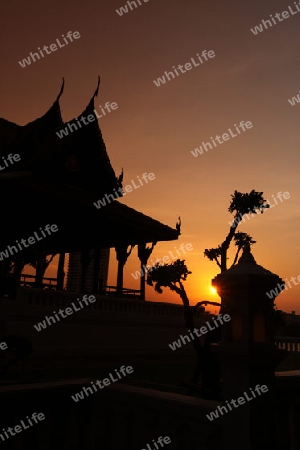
<point>97,89</point>
<point>61,89</point>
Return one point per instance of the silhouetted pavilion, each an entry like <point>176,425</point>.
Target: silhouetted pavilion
<point>56,182</point>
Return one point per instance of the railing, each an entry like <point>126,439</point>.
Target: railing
<point>112,291</point>
<point>47,282</point>
<point>47,297</point>
<point>290,344</point>
<point>51,283</point>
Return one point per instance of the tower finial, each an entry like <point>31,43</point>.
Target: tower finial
<point>178,226</point>
<point>247,256</point>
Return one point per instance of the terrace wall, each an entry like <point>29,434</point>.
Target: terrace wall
<point>111,330</point>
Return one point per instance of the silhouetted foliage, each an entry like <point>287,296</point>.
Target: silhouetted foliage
<point>168,275</point>
<point>241,204</point>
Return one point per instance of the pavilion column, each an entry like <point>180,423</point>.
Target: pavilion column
<point>4,277</point>
<point>18,268</point>
<point>97,253</point>
<point>40,269</point>
<point>60,271</point>
<point>85,259</point>
<point>122,256</point>
<point>143,255</point>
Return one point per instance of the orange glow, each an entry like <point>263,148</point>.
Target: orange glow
<point>157,129</point>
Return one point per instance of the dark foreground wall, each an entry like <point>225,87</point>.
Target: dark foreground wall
<point>118,418</point>
<point>121,417</point>
<point>109,331</point>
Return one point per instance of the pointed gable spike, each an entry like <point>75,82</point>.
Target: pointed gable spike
<point>91,106</point>
<point>61,89</point>
<point>97,89</point>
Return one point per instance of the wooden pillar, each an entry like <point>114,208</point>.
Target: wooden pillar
<point>144,254</point>
<point>60,271</point>
<point>5,285</point>
<point>122,256</point>
<point>85,260</point>
<point>18,268</point>
<point>143,281</point>
<point>40,269</point>
<point>97,253</point>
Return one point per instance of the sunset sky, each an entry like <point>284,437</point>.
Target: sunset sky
<point>155,128</point>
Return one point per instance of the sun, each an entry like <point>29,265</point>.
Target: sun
<point>213,290</point>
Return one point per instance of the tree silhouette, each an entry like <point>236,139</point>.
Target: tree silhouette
<point>241,205</point>
<point>172,276</point>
